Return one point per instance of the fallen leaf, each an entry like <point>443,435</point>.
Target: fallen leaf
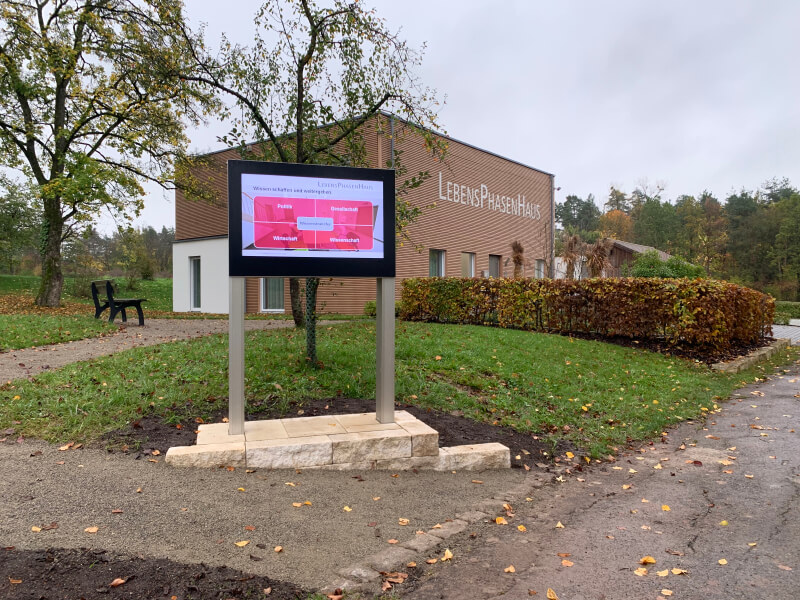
<point>570,455</point>
<point>658,466</point>
<point>751,544</point>
<point>347,509</point>
<point>240,489</point>
<point>386,586</point>
<point>116,511</point>
<point>290,484</point>
<point>66,446</point>
<point>551,595</point>
<point>392,541</point>
<point>411,565</point>
<point>138,490</point>
<point>665,507</point>
<point>297,504</point>
<point>559,525</point>
<point>117,582</point>
<point>476,481</point>
<point>376,498</point>
<point>432,561</point>
<point>447,555</point>
<point>647,560</point>
<point>402,522</point>
<point>249,528</point>
<point>92,529</point>
<point>242,544</point>
<point>501,521</point>
<point>522,528</point>
<point>627,486</point>
<point>749,476</point>
<point>722,561</point>
<point>566,563</point>
<point>784,567</point>
<point>666,592</point>
<point>723,523</point>
<point>13,581</point>
<point>641,572</point>
<point>663,573</point>
<point>677,571</point>
<point>278,548</point>
<point>36,529</point>
<point>509,569</point>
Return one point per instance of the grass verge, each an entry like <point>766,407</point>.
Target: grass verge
<point>598,396</point>
<point>23,331</point>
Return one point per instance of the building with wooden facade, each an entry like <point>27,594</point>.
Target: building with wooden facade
<point>474,205</point>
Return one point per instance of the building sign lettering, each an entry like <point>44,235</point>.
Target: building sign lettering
<point>481,197</point>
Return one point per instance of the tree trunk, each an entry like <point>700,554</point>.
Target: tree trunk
<point>52,277</point>
<point>312,284</point>
<point>297,303</point>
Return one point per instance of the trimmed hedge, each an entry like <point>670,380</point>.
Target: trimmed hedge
<point>681,312</point>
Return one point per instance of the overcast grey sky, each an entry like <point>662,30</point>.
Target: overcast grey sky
<point>695,94</point>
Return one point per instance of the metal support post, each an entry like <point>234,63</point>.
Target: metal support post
<point>236,356</point>
<point>384,381</point>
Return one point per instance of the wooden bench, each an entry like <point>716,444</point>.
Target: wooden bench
<point>114,305</point>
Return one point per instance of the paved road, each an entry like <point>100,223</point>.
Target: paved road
<point>787,331</point>
<point>732,493</point>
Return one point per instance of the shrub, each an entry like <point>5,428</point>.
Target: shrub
<point>681,312</point>
<point>371,309</point>
<point>649,264</point>
<point>785,311</point>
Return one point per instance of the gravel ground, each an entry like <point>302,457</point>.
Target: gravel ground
<point>29,362</point>
<point>197,515</point>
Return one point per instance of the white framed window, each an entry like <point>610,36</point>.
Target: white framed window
<point>436,263</point>
<point>495,260</point>
<point>468,264</point>
<point>194,283</point>
<point>272,295</point>
<point>540,268</point>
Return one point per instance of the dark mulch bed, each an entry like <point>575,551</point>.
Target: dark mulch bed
<point>703,355</point>
<point>150,433</point>
<point>87,574</point>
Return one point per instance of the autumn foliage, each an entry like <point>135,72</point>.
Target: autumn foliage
<point>680,312</point>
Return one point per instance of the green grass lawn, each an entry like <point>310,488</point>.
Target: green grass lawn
<point>157,291</point>
<point>594,394</point>
<point>23,331</point>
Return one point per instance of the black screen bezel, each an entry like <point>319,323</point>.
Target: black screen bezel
<point>290,266</point>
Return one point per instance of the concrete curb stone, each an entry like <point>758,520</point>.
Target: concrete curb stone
<point>745,362</point>
<point>364,578</point>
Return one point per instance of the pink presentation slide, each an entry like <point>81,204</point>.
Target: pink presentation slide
<point>312,224</point>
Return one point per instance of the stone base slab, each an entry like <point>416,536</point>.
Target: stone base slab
<point>336,442</point>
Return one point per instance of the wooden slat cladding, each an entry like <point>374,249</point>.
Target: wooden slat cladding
<point>196,218</point>
<point>471,220</point>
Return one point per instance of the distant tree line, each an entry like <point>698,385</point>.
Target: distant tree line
<point>136,254</point>
<point>750,237</point>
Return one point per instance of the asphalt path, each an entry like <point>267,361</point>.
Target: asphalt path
<point>718,502</point>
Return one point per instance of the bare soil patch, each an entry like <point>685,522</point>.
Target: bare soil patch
<point>89,574</point>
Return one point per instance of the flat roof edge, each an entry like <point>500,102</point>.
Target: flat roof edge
<point>445,136</point>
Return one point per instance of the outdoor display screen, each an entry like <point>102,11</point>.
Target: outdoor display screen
<point>309,220</point>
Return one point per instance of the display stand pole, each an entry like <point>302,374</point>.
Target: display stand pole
<point>236,356</point>
<point>384,381</point>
